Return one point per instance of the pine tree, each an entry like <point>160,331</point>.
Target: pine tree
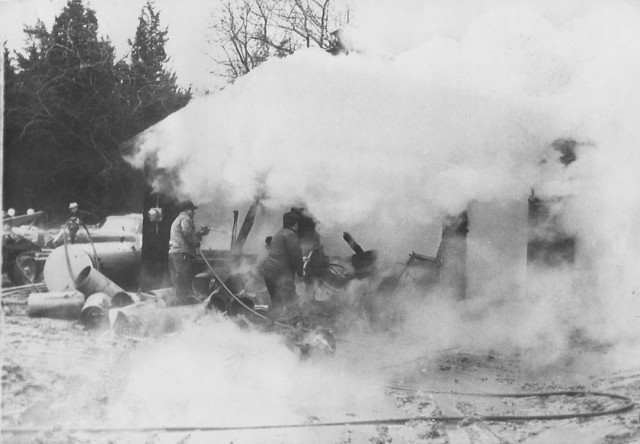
<point>67,107</point>
<point>14,174</point>
<point>148,55</point>
<point>70,105</point>
<point>156,88</point>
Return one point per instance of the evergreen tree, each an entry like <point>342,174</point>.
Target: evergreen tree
<point>148,55</point>
<point>14,173</point>
<point>65,107</point>
<point>68,107</point>
<point>156,89</point>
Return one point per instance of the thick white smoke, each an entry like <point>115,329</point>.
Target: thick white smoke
<point>438,105</point>
<point>216,374</point>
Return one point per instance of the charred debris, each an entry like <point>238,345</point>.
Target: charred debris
<point>120,280</point>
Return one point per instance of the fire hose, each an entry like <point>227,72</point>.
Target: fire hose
<point>627,405</point>
<point>237,299</point>
<point>66,248</point>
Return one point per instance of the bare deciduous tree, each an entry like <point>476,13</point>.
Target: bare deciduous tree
<point>245,33</point>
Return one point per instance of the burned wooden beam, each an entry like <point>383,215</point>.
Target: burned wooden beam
<point>245,228</point>
<point>363,262</point>
<point>352,243</point>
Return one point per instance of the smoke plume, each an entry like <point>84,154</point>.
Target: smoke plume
<point>435,107</point>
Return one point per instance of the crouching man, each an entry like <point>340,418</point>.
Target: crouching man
<point>184,242</point>
<point>283,262</point>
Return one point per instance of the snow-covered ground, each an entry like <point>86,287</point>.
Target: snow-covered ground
<point>58,377</point>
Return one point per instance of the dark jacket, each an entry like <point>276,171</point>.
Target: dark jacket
<point>85,217</point>
<point>285,255</point>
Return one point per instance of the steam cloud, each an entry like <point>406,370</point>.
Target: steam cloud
<point>216,373</point>
<point>438,105</point>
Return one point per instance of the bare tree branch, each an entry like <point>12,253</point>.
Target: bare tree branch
<point>248,32</point>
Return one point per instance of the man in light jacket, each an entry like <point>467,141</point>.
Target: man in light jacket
<point>184,242</point>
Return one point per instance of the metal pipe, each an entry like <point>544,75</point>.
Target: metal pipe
<point>119,261</point>
<point>124,298</point>
<point>90,281</point>
<point>56,273</point>
<point>235,228</point>
<point>352,243</point>
<point>59,305</point>
<point>10,290</point>
<point>94,311</point>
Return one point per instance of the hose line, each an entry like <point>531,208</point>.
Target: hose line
<point>66,249</point>
<point>251,310</point>
<point>627,405</point>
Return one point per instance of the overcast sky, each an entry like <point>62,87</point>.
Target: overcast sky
<point>389,26</point>
<point>187,21</point>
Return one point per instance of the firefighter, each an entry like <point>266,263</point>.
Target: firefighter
<point>184,243</point>
<point>81,216</point>
<point>76,218</point>
<point>283,262</point>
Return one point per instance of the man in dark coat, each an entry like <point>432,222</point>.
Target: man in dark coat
<point>283,262</point>
<point>184,242</point>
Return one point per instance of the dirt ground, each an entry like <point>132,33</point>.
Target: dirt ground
<point>46,361</point>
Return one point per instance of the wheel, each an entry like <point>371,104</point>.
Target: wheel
<point>24,270</point>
